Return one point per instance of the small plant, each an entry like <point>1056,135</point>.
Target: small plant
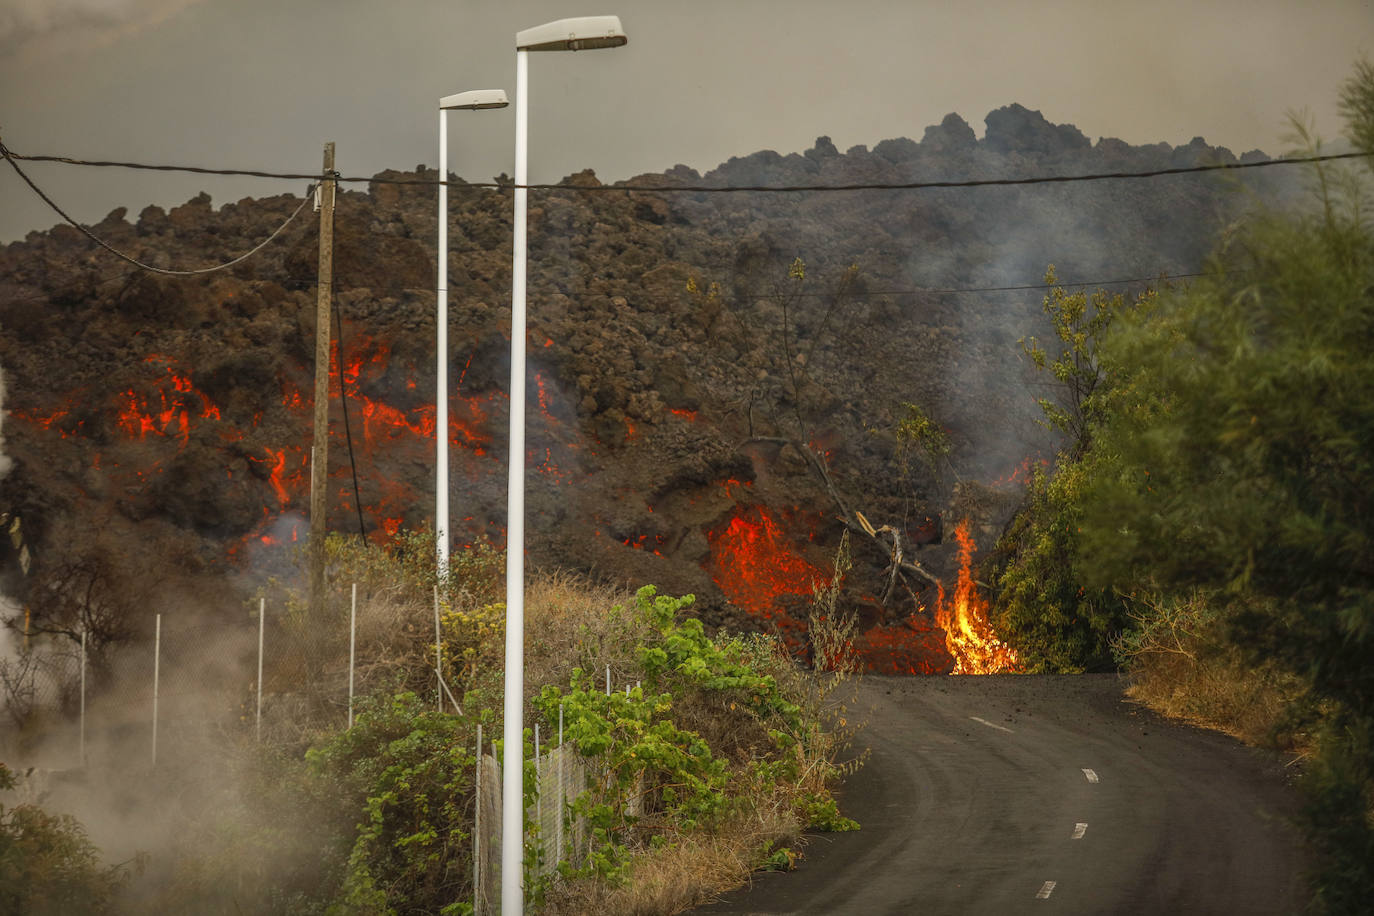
<point>409,770</point>
<point>49,866</point>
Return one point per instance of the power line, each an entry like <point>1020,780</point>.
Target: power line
<point>9,157</point>
<point>711,189</point>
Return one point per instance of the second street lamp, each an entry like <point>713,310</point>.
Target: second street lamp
<point>586,33</point>
<point>472,100</point>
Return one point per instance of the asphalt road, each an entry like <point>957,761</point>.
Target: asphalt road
<point>1028,794</point>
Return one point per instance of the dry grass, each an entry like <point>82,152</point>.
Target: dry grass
<point>1220,692</point>
<point>569,623</point>
<point>692,871</point>
<point>1180,666</point>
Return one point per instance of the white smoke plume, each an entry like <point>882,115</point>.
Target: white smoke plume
<point>5,462</point>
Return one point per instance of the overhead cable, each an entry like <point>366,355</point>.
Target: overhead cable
<point>10,157</point>
<point>714,189</point>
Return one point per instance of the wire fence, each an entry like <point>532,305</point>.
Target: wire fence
<point>197,689</point>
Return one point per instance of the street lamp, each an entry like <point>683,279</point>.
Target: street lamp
<point>472,100</point>
<point>586,33</point>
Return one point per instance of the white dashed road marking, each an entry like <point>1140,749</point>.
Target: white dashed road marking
<point>990,724</point>
<point>1090,775</point>
<point>1045,890</point>
<point>1079,830</point>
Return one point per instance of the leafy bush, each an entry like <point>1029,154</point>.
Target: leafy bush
<point>48,865</point>
<point>1250,480</point>
<point>408,770</point>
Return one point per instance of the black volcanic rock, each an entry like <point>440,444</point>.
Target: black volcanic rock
<point>824,149</point>
<point>951,135</point>
<point>1015,128</point>
<point>685,385</point>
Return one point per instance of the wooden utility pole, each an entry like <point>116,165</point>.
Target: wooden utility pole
<point>319,466</point>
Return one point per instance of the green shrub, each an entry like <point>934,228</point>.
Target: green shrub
<point>48,865</point>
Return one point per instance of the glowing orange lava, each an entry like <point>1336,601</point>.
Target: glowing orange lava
<point>910,647</point>
<point>968,635</point>
<point>760,571</point>
<point>173,410</point>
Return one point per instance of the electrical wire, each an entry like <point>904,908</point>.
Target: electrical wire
<point>10,158</point>
<point>348,432</point>
<point>711,189</point>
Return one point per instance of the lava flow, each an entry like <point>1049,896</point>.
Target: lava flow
<point>759,571</point>
<point>968,634</point>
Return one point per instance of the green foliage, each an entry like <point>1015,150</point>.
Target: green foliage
<point>1042,605</point>
<point>918,433</point>
<point>823,813</point>
<point>1252,476</point>
<point>782,859</point>
<point>686,654</point>
<point>1357,106</point>
<point>1340,792</point>
<point>659,776</point>
<point>1080,325</point>
<point>1255,477</point>
<point>48,865</point>
<point>409,772</point>
<point>378,819</point>
<point>649,765</point>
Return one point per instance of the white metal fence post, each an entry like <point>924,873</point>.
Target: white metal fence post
<point>438,653</point>
<point>558,824</point>
<point>83,699</point>
<point>262,624</point>
<point>539,799</point>
<point>157,657</point>
<point>352,649</point>
<point>477,832</point>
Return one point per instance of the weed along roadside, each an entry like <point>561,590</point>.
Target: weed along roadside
<point>663,764</point>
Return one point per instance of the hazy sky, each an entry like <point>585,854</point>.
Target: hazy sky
<point>263,83</point>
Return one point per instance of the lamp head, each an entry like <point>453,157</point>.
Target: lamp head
<point>582,34</point>
<point>475,100</point>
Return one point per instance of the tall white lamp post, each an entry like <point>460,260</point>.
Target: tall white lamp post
<point>472,100</point>
<point>583,34</point>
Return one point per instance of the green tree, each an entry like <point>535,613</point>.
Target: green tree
<point>49,865</point>
<point>1254,478</point>
<point>1041,605</point>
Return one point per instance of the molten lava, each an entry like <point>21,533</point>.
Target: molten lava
<point>171,415</point>
<point>910,647</point>
<point>968,635</point>
<point>757,566</point>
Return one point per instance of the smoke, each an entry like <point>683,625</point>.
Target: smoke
<point>43,25</point>
<point>8,607</point>
<point>5,462</point>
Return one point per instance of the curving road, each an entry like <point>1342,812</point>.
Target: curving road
<point>1029,794</point>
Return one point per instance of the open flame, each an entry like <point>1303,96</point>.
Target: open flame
<point>964,618</point>
<point>1020,475</point>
